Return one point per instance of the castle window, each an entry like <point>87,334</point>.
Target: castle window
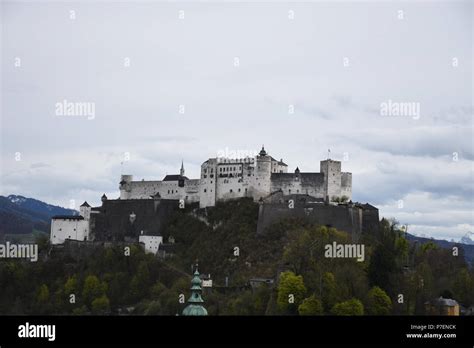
<point>168,191</point>
<point>239,190</point>
<point>230,191</point>
<point>205,190</point>
<point>289,191</point>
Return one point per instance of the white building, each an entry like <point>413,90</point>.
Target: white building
<point>74,227</point>
<point>224,178</point>
<point>151,244</point>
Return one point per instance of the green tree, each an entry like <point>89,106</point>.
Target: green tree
<point>93,289</point>
<point>244,304</point>
<point>43,294</point>
<point>157,289</point>
<point>383,266</point>
<point>350,307</point>
<point>100,305</point>
<point>378,302</point>
<point>291,291</point>
<point>310,306</point>
<point>80,310</point>
<point>464,287</point>
<point>43,299</point>
<point>70,287</point>
<point>153,308</point>
<point>330,292</point>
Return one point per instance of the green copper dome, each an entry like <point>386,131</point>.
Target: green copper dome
<point>194,306</point>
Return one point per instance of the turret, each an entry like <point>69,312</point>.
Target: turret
<point>181,171</point>
<point>262,175</point>
<point>126,186</point>
<point>85,210</point>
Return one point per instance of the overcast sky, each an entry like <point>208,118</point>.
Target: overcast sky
<point>235,69</point>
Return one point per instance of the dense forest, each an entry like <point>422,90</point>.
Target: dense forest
<point>396,277</point>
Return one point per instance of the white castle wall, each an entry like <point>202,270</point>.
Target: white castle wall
<point>62,229</point>
<point>166,189</point>
<point>151,243</point>
<point>346,185</point>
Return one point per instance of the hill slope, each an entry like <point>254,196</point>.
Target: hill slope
<point>468,248</point>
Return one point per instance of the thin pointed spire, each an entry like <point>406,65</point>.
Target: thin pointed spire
<point>181,172</point>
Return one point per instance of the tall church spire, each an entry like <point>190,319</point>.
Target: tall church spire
<point>195,301</point>
<point>181,171</point>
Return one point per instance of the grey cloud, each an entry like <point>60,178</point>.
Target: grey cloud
<point>283,62</point>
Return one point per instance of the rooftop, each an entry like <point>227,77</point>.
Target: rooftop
<point>174,177</point>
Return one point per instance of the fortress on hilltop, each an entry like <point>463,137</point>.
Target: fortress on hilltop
<point>142,212</point>
<point>223,179</point>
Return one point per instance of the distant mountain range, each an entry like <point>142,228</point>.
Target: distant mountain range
<point>22,215</point>
<point>467,239</point>
<point>466,243</point>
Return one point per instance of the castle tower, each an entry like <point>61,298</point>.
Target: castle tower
<point>126,186</point>
<point>181,171</point>
<point>208,184</point>
<point>332,178</point>
<point>263,171</point>
<point>195,301</point>
<point>85,210</point>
